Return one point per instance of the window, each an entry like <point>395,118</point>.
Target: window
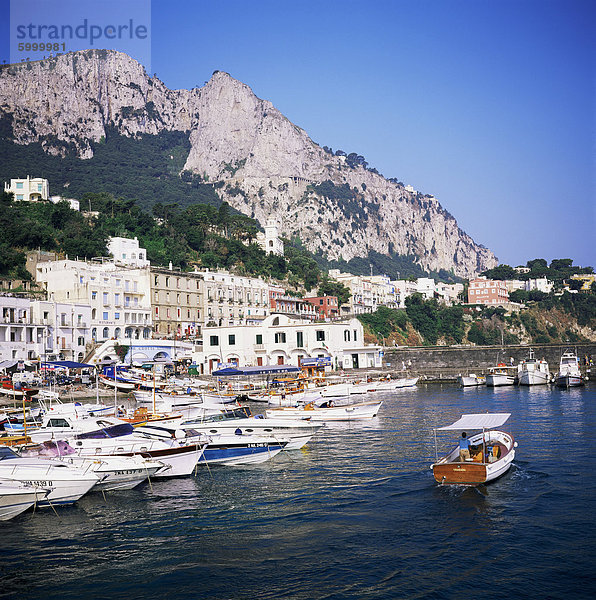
<point>232,340</point>
<point>347,335</point>
<point>320,336</point>
<point>81,341</point>
<point>117,299</point>
<point>280,337</point>
<point>355,335</point>
<point>93,295</point>
<point>105,298</point>
<point>58,423</point>
<point>214,340</point>
<point>105,316</point>
<point>259,338</point>
<point>116,315</point>
<point>299,339</point>
<point>106,333</point>
<point>19,196</point>
<point>19,185</point>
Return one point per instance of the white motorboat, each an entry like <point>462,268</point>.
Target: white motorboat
<point>346,412</point>
<point>115,472</point>
<point>389,384</point>
<point>58,424</point>
<point>470,380</point>
<point>67,483</point>
<point>336,390</point>
<point>240,420</point>
<point>177,454</point>
<point>121,385</point>
<point>532,371</point>
<point>16,497</point>
<point>227,448</point>
<point>490,456</point>
<point>569,374</point>
<point>501,375</point>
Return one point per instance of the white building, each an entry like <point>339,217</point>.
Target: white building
<point>426,287</point>
<point>126,252</point>
<point>281,339</point>
<point>34,189</point>
<point>270,241</point>
<point>119,297</point>
<point>542,284</point>
<point>230,299</point>
<point>30,189</point>
<point>66,329</point>
<point>19,338</point>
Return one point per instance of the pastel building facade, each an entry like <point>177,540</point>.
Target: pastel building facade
<point>487,291</point>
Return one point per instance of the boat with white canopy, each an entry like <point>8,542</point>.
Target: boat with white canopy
<point>490,454</point>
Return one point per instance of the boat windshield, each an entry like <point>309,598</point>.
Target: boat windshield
<point>227,415</point>
<point>7,454</point>
<point>107,432</point>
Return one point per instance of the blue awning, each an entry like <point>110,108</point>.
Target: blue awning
<point>269,370</point>
<point>67,364</point>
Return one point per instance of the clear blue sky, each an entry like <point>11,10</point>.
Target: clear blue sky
<point>490,105</point>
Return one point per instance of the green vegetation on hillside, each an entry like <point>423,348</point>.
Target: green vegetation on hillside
<point>560,269</point>
<point>143,168</point>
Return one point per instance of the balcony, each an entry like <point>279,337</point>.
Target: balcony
<point>259,347</point>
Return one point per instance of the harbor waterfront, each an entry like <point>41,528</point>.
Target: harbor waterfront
<point>354,514</point>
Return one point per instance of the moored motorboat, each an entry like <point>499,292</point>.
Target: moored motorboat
<point>490,453</point>
<point>237,448</point>
<point>569,374</point>
<point>115,472</point>
<point>67,483</point>
<point>16,497</point>
<point>298,432</point>
<point>345,412</point>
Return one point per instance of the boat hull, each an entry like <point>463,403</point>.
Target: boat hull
<point>15,498</point>
<point>499,379</point>
<point>567,380</point>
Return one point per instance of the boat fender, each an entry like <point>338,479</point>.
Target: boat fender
<point>238,431</point>
<point>179,434</point>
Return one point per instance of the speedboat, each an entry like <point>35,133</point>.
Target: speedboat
<point>116,472</point>
<point>236,448</point>
<point>16,497</point>
<point>501,375</point>
<point>179,455</point>
<point>569,374</point>
<point>390,384</point>
<point>491,451</point>
<point>67,482</point>
<point>532,371</point>
<point>345,412</point>
<point>297,432</point>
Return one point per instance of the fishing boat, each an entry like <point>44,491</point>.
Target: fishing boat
<point>471,380</point>
<point>16,497</point>
<point>532,371</point>
<point>490,455</point>
<point>345,412</point>
<point>501,375</point>
<point>569,374</point>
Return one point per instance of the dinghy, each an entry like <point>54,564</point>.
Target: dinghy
<point>490,455</point>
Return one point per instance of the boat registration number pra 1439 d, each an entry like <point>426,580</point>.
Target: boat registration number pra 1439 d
<point>39,483</point>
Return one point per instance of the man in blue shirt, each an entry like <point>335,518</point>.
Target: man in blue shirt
<point>464,447</point>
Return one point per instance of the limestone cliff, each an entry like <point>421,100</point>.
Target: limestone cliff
<point>265,165</point>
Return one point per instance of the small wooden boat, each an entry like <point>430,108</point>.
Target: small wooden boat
<point>345,412</point>
<point>491,451</point>
<point>471,380</point>
<point>501,375</point>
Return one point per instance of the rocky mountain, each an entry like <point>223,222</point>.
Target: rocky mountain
<point>258,161</point>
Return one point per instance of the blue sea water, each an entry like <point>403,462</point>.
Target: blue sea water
<point>354,515</point>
